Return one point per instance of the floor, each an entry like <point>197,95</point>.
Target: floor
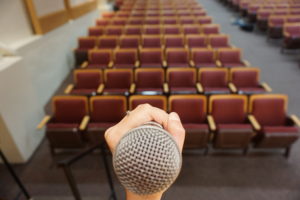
<point>221,175</point>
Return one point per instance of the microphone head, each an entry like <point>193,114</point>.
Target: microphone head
<point>147,160</point>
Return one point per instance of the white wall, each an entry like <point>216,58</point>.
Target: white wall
<point>14,22</point>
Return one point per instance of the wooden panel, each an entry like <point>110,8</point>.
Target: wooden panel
<point>53,20</point>
<point>32,13</point>
<point>83,8</point>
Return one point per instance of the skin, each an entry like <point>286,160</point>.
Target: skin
<point>139,116</point>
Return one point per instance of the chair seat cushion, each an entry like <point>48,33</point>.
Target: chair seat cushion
<point>234,126</point>
<point>251,90</point>
<point>149,90</point>
<point>192,126</point>
<point>100,125</point>
<point>83,91</point>
<point>238,64</point>
<point>124,65</point>
<point>287,130</point>
<point>216,90</point>
<point>151,65</point>
<point>62,125</point>
<point>196,135</point>
<point>183,90</point>
<point>115,90</point>
<point>96,66</point>
<point>178,65</point>
<point>199,65</point>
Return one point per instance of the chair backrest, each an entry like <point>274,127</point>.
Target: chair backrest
<point>269,110</point>
<point>204,20</point>
<point>172,29</point>
<point>129,42</point>
<point>177,55</point>
<point>118,78</point>
<point>118,21</point>
<point>196,41</point>
<point>218,40</point>
<point>190,108</point>
<point>152,30</point>
<point>276,20</point>
<point>125,56</point>
<point>102,22</point>
<point>88,78</point>
<point>203,55</point>
<point>229,55</point>
<point>96,31</point>
<point>136,21</point>
<point>149,78</point>
<point>69,109</point>
<point>108,42</point>
<point>191,29</point>
<point>158,101</point>
<point>102,57</point>
<point>114,30</point>
<point>87,42</point>
<point>133,30</point>
<point>292,28</point>
<point>174,41</point>
<point>211,29</point>
<point>213,77</point>
<point>107,108</point>
<point>152,41</point>
<point>244,77</point>
<point>150,56</point>
<point>181,77</point>
<point>228,109</point>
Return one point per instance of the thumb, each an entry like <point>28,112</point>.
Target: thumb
<point>176,129</point>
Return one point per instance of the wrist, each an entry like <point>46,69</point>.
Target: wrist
<point>132,196</point>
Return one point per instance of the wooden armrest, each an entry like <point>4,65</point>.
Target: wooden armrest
<point>166,88</point>
<point>84,64</point>
<point>199,88</point>
<point>209,46</point>
<point>218,63</point>
<point>164,62</point>
<point>295,119</point>
<point>110,64</point>
<point>132,88</point>
<point>246,63</point>
<point>84,123</point>
<point>286,34</point>
<point>232,87</point>
<point>266,87</point>
<point>69,88</point>
<point>254,122</point>
<point>137,64</point>
<point>44,121</point>
<point>192,63</point>
<point>211,123</point>
<point>186,46</point>
<point>100,88</point>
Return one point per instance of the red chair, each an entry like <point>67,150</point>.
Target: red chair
<point>87,82</point>
<point>231,57</point>
<point>213,81</point>
<point>172,29</point>
<point>118,82</point>
<point>152,30</point>
<point>177,57</point>
<point>108,42</point>
<point>174,41</point>
<point>192,112</point>
<point>262,18</point>
<point>102,22</point>
<point>114,30</point>
<point>96,31</point>
<point>98,59</point>
<point>210,29</point>
<point>275,26</point>
<point>152,41</point>
<point>152,58</point>
<point>125,58</point>
<point>196,41</point>
<point>228,120</point>
<point>246,81</point>
<point>157,101</point>
<point>69,120</point>
<point>102,117</point>
<point>182,80</point>
<point>218,41</point>
<point>133,30</point>
<point>191,29</point>
<point>129,42</point>
<point>274,128</point>
<point>136,21</point>
<point>152,21</point>
<point>204,20</point>
<point>84,45</point>
<point>291,32</point>
<point>203,57</point>
<point>170,21</point>
<point>187,20</point>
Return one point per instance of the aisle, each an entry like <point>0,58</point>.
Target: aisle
<point>282,72</point>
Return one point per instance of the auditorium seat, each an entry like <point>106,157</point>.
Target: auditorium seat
<point>268,114</point>
<point>125,58</point>
<point>118,22</point>
<point>262,18</point>
<point>246,81</point>
<point>108,15</point>
<point>68,121</point>
<point>96,31</point>
<point>177,57</point>
<point>149,81</point>
<point>152,30</point>
<point>84,45</point>
<point>203,57</point>
<point>129,42</point>
<point>191,29</point>
<point>133,30</point>
<point>114,30</point>
<point>275,26</point>
<point>196,41</point>
<point>152,58</point>
<point>86,82</point>
<point>117,81</point>
<point>228,120</point>
<point>210,29</point>
<point>152,21</point>
<point>108,42</point>
<point>292,18</point>
<point>172,29</point>
<point>102,22</point>
<point>152,41</point>
<point>186,20</point>
<point>192,112</point>
<point>204,20</point>
<point>170,21</point>
<point>231,57</point>
<point>291,33</point>
<point>218,41</point>
<point>136,21</point>
<point>105,112</point>
<point>213,81</point>
<point>98,59</point>
<point>158,101</point>
<point>174,41</point>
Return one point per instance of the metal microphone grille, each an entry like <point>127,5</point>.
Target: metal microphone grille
<point>147,160</point>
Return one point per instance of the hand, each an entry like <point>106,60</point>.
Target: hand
<point>139,116</point>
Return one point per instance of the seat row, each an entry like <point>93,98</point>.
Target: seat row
<point>226,121</point>
<point>150,81</point>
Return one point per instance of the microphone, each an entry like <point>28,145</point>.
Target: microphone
<point>147,159</point>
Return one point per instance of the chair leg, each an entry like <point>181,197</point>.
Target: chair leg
<point>287,152</point>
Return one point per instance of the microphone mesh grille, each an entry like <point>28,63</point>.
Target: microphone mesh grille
<point>147,160</point>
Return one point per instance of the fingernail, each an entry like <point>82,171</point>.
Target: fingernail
<point>174,116</point>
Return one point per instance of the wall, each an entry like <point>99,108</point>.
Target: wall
<point>14,18</point>
<point>27,85</point>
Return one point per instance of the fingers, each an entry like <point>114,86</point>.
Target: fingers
<point>176,129</point>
